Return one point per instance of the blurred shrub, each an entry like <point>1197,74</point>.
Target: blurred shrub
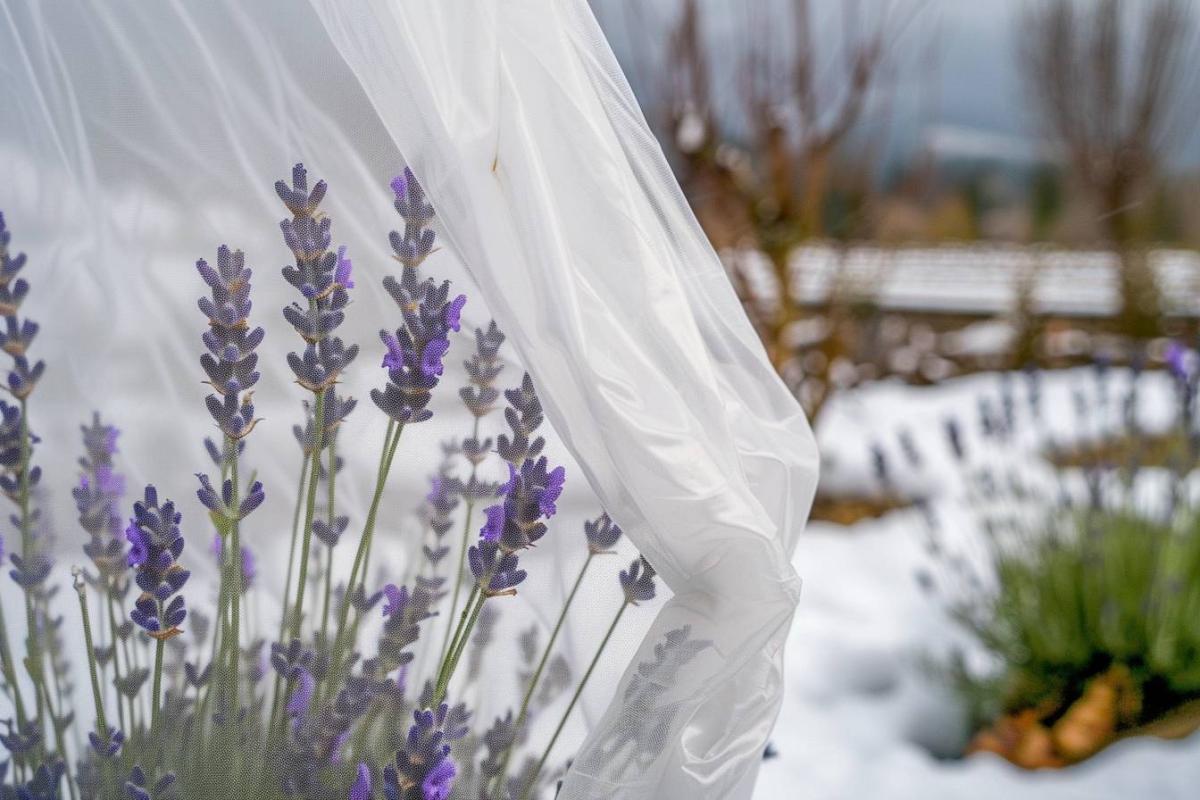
<point>1115,589</point>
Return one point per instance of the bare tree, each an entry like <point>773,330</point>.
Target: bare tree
<point>1108,78</point>
<point>758,170</point>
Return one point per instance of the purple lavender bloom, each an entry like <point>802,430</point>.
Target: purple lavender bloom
<point>316,275</point>
<point>415,245</point>
<point>361,790</point>
<point>495,524</point>
<point>396,599</point>
<point>17,335</point>
<point>524,416</point>
<point>139,550</point>
<point>415,351</point>
<point>108,745</point>
<point>97,498</point>
<point>602,534</point>
<point>1176,358</point>
<point>230,362</point>
<point>138,786</point>
<point>529,497</point>
<point>440,780</point>
<point>423,769</point>
<point>480,394</point>
<point>222,504</point>
<point>249,568</point>
<point>302,695</point>
<point>342,272</point>
<point>156,547</point>
<point>404,612</point>
<point>637,582</point>
<point>453,312</point>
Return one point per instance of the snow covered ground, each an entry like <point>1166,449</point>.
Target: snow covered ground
<point>863,712</point>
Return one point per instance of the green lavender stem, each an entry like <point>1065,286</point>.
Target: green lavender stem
<point>287,583</point>
<point>391,439</point>
<point>10,672</point>
<point>112,623</point>
<point>462,636</point>
<point>33,663</point>
<point>331,513</point>
<point>156,692</point>
<point>574,699</point>
<point>58,738</point>
<point>537,673</point>
<point>462,552</point>
<point>235,586</point>
<point>101,722</point>
<point>310,507</point>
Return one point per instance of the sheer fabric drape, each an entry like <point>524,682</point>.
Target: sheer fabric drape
<point>551,189</point>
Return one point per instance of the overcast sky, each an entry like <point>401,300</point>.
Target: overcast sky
<point>959,66</point>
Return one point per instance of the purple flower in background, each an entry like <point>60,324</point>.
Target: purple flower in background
<point>302,695</point>
<point>249,569</point>
<point>397,599</point>
<point>483,367</point>
<point>416,350</point>
<point>156,547</point>
<point>106,746</point>
<point>524,416</point>
<point>404,612</point>
<point>97,499</point>
<point>1176,358</point>
<point>361,790</point>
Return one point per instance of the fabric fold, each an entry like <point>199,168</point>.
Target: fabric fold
<point>553,191</point>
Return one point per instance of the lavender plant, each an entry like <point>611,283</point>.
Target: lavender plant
<point>1079,593</point>
<point>192,716</point>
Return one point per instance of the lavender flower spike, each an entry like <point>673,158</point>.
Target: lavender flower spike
<point>415,351</point>
<point>318,275</point>
<point>230,361</point>
<point>530,497</point>
<point>156,544</point>
<point>361,790</point>
<point>423,769</point>
<point>17,334</point>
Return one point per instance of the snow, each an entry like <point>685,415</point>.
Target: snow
<point>864,715</point>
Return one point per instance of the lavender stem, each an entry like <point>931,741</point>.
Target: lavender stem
<point>309,512</point>
<point>101,722</point>
<point>537,673</point>
<point>462,552</point>
<point>235,578</point>
<point>10,672</point>
<point>391,439</point>
<point>574,699</point>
